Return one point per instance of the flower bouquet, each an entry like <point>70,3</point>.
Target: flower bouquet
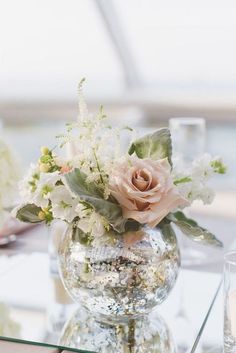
<point>119,257</point>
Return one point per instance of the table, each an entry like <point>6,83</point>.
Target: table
<point>34,305</point>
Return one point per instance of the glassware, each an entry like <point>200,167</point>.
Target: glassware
<point>60,304</point>
<point>148,334</point>
<point>188,138</point>
<point>189,142</point>
<point>116,281</point>
<point>230,302</point>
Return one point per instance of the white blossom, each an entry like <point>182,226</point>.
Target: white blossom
<point>44,187</point>
<point>192,182</point>
<point>93,225</point>
<point>63,204</point>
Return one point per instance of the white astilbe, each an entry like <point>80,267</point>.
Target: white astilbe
<point>92,144</point>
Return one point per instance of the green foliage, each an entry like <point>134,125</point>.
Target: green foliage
<point>156,145</point>
<point>29,214</point>
<point>93,195</point>
<point>191,228</point>
<point>218,166</point>
<point>183,180</point>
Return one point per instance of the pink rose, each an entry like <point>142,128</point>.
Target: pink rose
<point>145,190</point>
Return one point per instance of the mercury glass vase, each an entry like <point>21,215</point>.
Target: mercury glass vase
<point>122,277</point>
<point>149,334</point>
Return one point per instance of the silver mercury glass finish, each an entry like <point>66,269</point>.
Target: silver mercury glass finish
<point>149,334</point>
<point>116,282</point>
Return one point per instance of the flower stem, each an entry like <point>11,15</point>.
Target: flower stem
<point>98,167</point>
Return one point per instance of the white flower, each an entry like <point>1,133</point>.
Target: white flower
<point>93,224</point>
<point>192,183</point>
<point>207,195</point>
<point>63,204</point>
<point>202,168</point>
<point>81,210</point>
<point>44,187</point>
<point>26,184</point>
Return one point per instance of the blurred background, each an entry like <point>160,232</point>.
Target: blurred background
<point>145,61</point>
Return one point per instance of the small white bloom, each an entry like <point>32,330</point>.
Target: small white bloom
<point>207,195</point>
<point>45,186</point>
<point>25,185</point>
<point>63,204</point>
<point>202,168</point>
<point>92,224</point>
<point>81,210</point>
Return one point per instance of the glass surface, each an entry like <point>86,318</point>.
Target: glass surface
<point>30,296</point>
<point>230,302</point>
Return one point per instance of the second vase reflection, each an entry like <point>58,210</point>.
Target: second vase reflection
<point>149,334</point>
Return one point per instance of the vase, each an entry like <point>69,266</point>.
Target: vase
<point>147,334</point>
<point>120,277</point>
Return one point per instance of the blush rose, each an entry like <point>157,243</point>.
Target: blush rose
<point>144,189</point>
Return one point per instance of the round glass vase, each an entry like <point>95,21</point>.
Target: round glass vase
<point>120,277</point>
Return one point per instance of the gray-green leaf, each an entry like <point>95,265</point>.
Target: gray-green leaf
<point>191,228</point>
<point>89,192</point>
<point>29,214</point>
<point>156,145</point>
<point>168,232</point>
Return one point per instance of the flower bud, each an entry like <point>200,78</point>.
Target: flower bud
<point>44,150</point>
<point>44,168</point>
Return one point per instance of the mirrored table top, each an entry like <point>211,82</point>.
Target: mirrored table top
<point>35,307</point>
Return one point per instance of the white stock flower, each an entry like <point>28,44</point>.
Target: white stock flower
<point>63,204</point>
<point>201,168</point>
<point>192,182</point>
<point>92,224</point>
<point>25,187</point>
<point>44,187</point>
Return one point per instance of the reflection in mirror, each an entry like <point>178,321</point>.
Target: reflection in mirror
<point>147,334</point>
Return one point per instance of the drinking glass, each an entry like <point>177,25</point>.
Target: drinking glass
<point>188,138</point>
<point>230,302</point>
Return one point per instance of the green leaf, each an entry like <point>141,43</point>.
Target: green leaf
<point>155,146</point>
<point>168,231</point>
<point>191,228</point>
<point>92,194</point>
<point>29,213</point>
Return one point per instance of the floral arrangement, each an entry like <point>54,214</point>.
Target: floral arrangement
<point>9,176</point>
<point>104,191</point>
